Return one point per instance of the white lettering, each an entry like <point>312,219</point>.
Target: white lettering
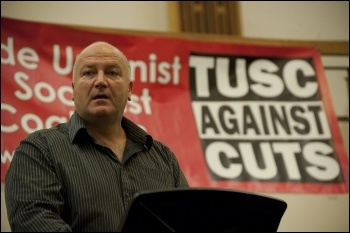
<point>57,57</point>
<point>212,155</point>
<point>290,72</point>
<point>156,72</point>
<point>26,56</point>
<point>324,167</point>
<point>11,128</point>
<point>201,78</point>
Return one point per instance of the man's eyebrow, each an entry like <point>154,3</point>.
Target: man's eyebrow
<point>114,66</point>
<point>88,66</point>
<point>107,65</point>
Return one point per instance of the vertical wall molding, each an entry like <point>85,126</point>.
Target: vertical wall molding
<point>205,17</point>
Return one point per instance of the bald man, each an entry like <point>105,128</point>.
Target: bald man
<point>81,175</point>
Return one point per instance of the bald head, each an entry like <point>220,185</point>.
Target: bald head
<point>100,49</point>
<point>101,83</point>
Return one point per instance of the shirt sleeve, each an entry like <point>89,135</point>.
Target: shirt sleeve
<point>180,179</point>
<point>32,190</point>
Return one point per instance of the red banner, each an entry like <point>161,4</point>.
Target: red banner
<point>245,117</point>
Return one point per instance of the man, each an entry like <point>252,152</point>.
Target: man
<point>81,175</point>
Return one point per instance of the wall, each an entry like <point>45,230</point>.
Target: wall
<point>286,20</point>
<point>296,20</point>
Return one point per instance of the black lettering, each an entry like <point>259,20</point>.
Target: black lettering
<point>298,118</point>
<point>222,116</point>
<point>315,110</point>
<point>249,120</point>
<point>263,118</point>
<point>282,120</point>
<point>208,120</point>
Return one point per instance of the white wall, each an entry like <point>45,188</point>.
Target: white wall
<point>296,20</point>
<point>134,15</point>
<point>287,20</point>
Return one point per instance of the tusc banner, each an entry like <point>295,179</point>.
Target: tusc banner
<point>238,116</point>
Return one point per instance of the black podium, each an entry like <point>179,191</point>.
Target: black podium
<point>202,210</point>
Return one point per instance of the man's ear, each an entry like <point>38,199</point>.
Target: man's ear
<point>130,90</point>
<point>72,91</point>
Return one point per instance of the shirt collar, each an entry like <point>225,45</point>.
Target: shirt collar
<point>133,131</point>
<point>136,133</point>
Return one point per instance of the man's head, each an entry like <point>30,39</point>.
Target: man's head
<point>101,82</point>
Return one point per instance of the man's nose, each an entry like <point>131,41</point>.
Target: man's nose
<point>100,79</point>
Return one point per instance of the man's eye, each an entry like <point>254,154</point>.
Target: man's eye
<point>87,73</point>
<point>113,73</point>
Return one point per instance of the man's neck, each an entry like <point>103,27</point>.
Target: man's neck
<point>112,136</point>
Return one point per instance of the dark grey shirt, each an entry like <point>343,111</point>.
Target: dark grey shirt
<point>60,179</point>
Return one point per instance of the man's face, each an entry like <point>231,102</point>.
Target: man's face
<point>101,83</point>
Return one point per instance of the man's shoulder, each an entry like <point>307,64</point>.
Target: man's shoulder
<point>59,129</point>
<point>159,145</point>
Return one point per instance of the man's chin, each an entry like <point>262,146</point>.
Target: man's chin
<point>99,113</point>
<point>102,114</point>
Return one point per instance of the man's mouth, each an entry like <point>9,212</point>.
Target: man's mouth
<point>100,96</point>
